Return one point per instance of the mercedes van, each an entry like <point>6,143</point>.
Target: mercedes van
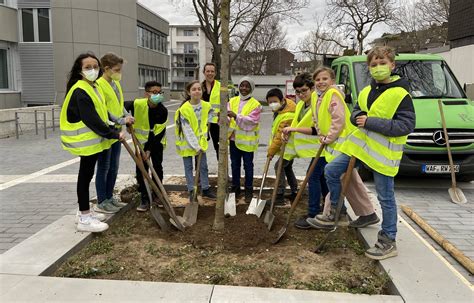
<point>430,80</point>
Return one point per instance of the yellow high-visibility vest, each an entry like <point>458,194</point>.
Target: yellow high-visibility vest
<point>114,105</point>
<point>301,145</point>
<point>215,100</point>
<point>76,137</point>
<point>324,120</point>
<point>379,152</point>
<point>200,130</point>
<point>142,124</point>
<point>244,140</point>
<point>279,118</point>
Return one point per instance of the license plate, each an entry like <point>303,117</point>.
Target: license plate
<point>439,169</point>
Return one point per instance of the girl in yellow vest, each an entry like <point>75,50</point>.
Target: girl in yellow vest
<point>108,161</point>
<point>192,119</point>
<point>85,132</point>
<point>384,116</point>
<point>332,121</point>
<point>303,142</point>
<point>244,113</point>
<point>283,114</point>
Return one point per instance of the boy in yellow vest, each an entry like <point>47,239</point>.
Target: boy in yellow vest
<point>283,114</point>
<point>384,116</point>
<point>151,117</point>
<point>244,113</point>
<point>303,142</point>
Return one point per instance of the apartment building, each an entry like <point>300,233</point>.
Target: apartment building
<point>39,40</point>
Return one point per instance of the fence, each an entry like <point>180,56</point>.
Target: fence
<point>18,120</point>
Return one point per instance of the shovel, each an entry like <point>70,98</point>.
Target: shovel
<point>229,204</point>
<point>283,230</point>
<point>155,212</point>
<point>191,210</point>
<point>345,183</point>
<point>256,204</point>
<point>456,194</point>
<point>269,216</point>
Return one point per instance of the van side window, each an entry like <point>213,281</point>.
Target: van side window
<point>344,78</point>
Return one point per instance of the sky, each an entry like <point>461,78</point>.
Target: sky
<point>180,12</point>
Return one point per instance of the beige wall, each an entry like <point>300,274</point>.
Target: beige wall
<point>461,62</point>
<point>99,26</point>
<point>8,24</point>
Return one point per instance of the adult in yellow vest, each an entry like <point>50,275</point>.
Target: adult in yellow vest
<point>211,92</point>
<point>192,119</point>
<point>303,142</point>
<point>108,161</point>
<point>283,114</point>
<point>151,117</point>
<point>384,116</point>
<point>332,121</point>
<point>244,113</point>
<point>85,132</point>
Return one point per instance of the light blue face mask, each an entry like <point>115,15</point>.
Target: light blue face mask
<point>156,99</point>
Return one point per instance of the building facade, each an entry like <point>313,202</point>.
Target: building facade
<point>189,51</point>
<point>39,40</point>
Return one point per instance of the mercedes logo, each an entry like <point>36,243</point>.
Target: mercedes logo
<point>438,138</point>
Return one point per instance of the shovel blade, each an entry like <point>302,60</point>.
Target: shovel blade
<point>260,207</point>
<point>269,217</point>
<point>229,205</point>
<point>252,207</point>
<point>190,213</point>
<point>155,212</point>
<point>281,232</point>
<point>457,196</point>
<point>180,219</point>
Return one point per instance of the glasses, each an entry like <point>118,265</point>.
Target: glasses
<point>155,92</point>
<point>301,91</point>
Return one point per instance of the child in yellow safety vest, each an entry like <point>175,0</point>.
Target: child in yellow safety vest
<point>244,113</point>
<point>283,114</point>
<point>192,119</point>
<point>332,120</point>
<point>384,116</point>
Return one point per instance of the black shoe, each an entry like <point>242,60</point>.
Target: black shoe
<point>280,201</point>
<point>236,190</point>
<point>301,223</point>
<point>208,193</point>
<point>364,221</point>
<point>248,195</point>
<point>291,196</point>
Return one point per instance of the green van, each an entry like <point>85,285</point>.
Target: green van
<point>430,79</point>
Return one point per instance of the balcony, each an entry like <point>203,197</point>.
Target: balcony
<point>185,65</point>
<point>184,51</point>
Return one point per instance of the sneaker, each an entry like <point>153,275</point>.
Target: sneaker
<point>116,203</point>
<point>301,223</point>
<point>236,190</point>
<point>328,220</point>
<point>314,223</point>
<point>248,195</point>
<point>98,216</point>
<point>143,207</point>
<point>364,221</point>
<point>91,224</point>
<point>105,207</point>
<point>208,193</point>
<point>384,248</point>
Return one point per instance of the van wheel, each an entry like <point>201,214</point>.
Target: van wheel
<point>466,178</point>
<point>365,173</point>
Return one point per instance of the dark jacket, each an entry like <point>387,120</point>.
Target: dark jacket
<point>403,121</point>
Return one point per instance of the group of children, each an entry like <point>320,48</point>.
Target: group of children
<point>374,133</point>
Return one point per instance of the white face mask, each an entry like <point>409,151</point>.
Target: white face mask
<point>91,74</point>
<point>274,106</point>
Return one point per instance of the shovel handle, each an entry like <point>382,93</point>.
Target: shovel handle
<point>278,175</point>
<point>445,130</point>
<point>196,179</point>
<point>265,171</point>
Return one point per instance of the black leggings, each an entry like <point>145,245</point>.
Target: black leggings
<point>214,132</point>
<point>86,172</point>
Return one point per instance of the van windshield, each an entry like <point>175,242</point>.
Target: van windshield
<point>427,79</point>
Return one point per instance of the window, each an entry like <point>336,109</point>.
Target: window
<point>3,69</point>
<point>151,39</point>
<point>188,32</point>
<point>188,48</point>
<point>35,25</point>
<point>345,79</point>
<point>150,73</point>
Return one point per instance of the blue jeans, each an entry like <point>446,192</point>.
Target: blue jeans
<point>236,156</point>
<point>203,173</point>
<point>316,187</point>
<point>384,186</point>
<point>107,170</point>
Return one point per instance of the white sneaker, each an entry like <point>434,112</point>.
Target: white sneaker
<point>98,216</point>
<point>91,224</point>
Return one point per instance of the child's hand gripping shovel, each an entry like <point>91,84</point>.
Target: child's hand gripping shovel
<point>191,210</point>
<point>345,183</point>
<point>229,203</point>
<point>269,216</point>
<point>256,204</point>
<point>300,193</point>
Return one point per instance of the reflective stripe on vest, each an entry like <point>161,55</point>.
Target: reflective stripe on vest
<point>76,137</point>
<point>304,146</point>
<point>142,123</point>
<point>245,140</point>
<point>186,110</point>
<point>215,100</point>
<point>379,152</point>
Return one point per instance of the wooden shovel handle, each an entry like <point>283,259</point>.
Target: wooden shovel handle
<point>278,175</point>
<point>445,130</point>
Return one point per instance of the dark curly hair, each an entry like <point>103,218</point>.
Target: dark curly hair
<point>75,73</point>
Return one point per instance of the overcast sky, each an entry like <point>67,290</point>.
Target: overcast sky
<point>181,14</point>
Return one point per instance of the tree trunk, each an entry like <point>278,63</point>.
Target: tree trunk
<point>216,58</point>
<point>223,121</point>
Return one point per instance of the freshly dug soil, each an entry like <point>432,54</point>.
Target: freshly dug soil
<point>134,248</point>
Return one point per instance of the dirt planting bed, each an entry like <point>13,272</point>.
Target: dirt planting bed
<point>134,248</point>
